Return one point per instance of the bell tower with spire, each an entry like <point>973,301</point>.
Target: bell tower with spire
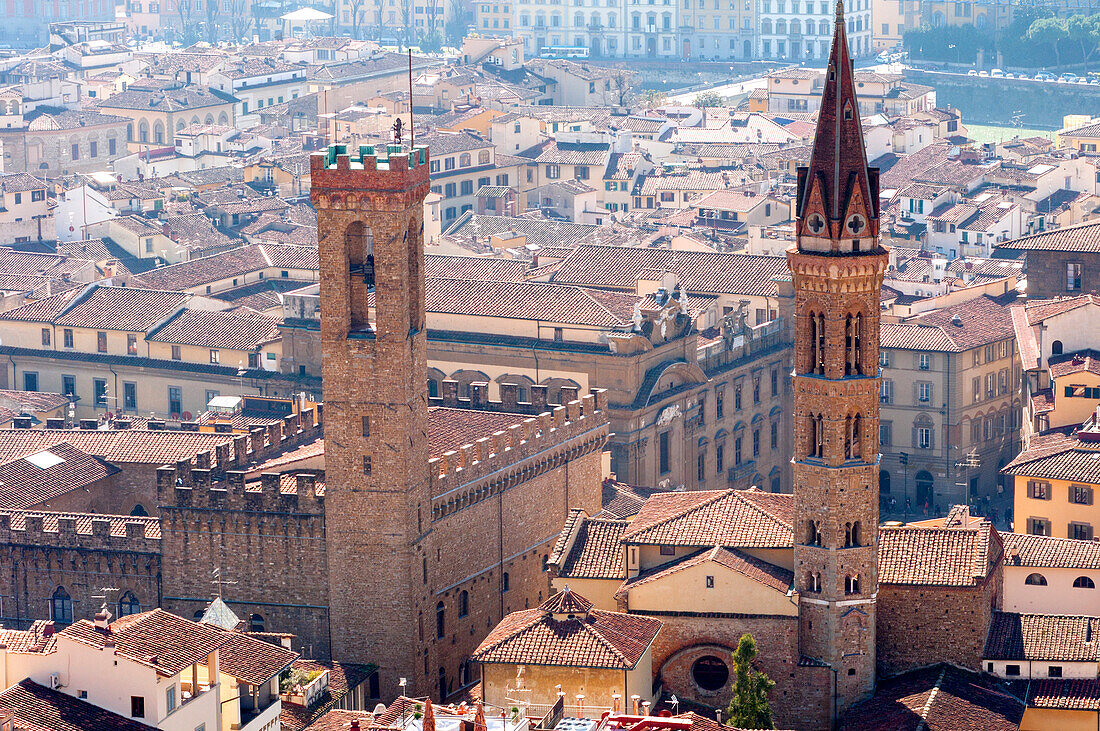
<point>837,266</point>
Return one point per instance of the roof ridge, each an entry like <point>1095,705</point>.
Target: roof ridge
<point>931,699</point>
<point>761,510</point>
<point>536,616</point>
<point>588,628</point>
<point>721,494</point>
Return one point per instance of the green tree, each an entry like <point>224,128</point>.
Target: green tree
<point>1085,29</point>
<point>749,707</point>
<point>1051,31</point>
<point>708,99</point>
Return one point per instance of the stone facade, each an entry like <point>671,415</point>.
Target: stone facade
<point>1046,273</point>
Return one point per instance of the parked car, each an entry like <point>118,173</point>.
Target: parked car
<point>1044,76</point>
<point>972,72</point>
<point>1010,75</point>
<point>983,73</point>
<point>997,73</point>
<point>1068,77</point>
<point>1094,82</point>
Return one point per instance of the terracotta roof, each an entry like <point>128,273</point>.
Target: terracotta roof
<point>338,719</point>
<point>936,556</point>
<point>107,308</point>
<point>474,267</point>
<point>160,640</point>
<point>968,325</point>
<point>538,231</point>
<point>205,329</point>
<point>598,639</point>
<point>1077,694</point>
<point>566,601</point>
<point>1022,549</point>
<point>619,267</point>
<point>1061,637</point>
<point>762,572</point>
<point>597,552</point>
<point>1083,361</point>
<point>1039,310</point>
<point>729,518</point>
<point>623,501</point>
<point>29,641</point>
<point>34,707</point>
<point>232,263</point>
<point>56,470</point>
<point>530,301</point>
<point>1083,237</point>
<point>451,428</point>
<point>113,445</point>
<point>937,698</point>
<point>253,661</point>
<point>1057,456</point>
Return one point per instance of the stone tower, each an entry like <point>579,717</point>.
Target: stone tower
<point>837,266</point>
<point>370,228</point>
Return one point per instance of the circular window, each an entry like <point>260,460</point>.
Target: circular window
<point>710,673</point>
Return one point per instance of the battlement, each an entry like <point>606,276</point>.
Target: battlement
<point>369,167</point>
<point>509,398</point>
<point>91,531</point>
<point>459,478</point>
<point>183,487</point>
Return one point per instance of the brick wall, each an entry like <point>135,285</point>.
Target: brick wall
<point>802,695</point>
<point>43,552</point>
<point>1046,273</point>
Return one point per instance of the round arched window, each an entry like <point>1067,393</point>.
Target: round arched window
<point>710,673</point>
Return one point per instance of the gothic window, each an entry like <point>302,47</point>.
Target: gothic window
<point>851,584</point>
<point>817,436</point>
<point>255,623</point>
<point>813,582</point>
<point>813,532</point>
<point>853,332</point>
<point>851,534</point>
<point>463,603</point>
<point>440,620</point>
<point>817,343</point>
<point>61,606</point>
<point>852,442</point>
<point>128,604</point>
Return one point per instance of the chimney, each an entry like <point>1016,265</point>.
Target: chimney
<point>48,628</point>
<point>102,620</point>
<point>355,724</point>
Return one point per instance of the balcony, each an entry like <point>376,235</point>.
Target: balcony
<point>742,473</point>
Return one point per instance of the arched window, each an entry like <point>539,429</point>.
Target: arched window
<point>853,331</point>
<point>1056,347</point>
<point>139,510</point>
<point>819,332</point>
<point>443,690</point>
<point>851,584</point>
<point>128,604</point>
<point>464,160</point>
<point>61,606</point>
<point>223,118</point>
<point>1035,580</point>
<point>440,620</point>
<point>856,436</point>
<point>198,615</point>
<point>817,436</point>
<point>851,534</point>
<point>781,27</point>
<point>463,603</point>
<point>766,26</point>
<point>158,132</point>
<point>813,582</point>
<point>209,119</point>
<point>578,20</point>
<point>1083,582</point>
<point>504,582</point>
<point>255,623</point>
<point>813,532</point>
<point>143,131</point>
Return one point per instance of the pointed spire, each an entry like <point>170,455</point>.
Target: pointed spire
<point>428,724</point>
<point>838,193</point>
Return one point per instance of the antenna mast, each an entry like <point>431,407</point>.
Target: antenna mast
<point>412,130</point>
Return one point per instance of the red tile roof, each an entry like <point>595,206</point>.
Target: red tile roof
<point>1058,637</point>
<point>157,639</point>
<point>1084,237</point>
<point>762,572</point>
<point>23,483</point>
<point>474,267</point>
<point>1081,694</point>
<point>230,330</point>
<point>451,428</point>
<point>530,301</point>
<point>937,556</point>
<point>597,639</point>
<point>730,518</point>
<point>938,698</point>
<point>34,707</point>
<point>1085,361</point>
<point>105,308</point>
<point>251,660</point>
<point>113,445</point>
<point>597,552</point>
<point>1022,549</point>
<point>342,677</point>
